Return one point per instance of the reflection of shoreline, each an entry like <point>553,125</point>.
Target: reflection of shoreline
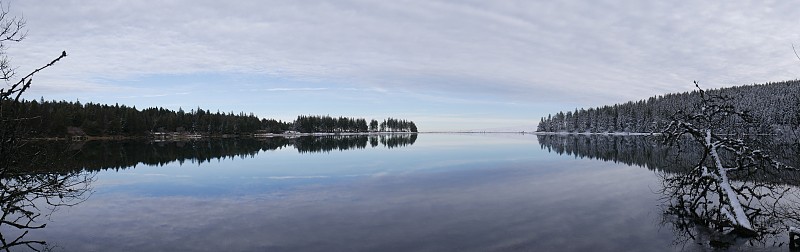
<point>329,143</point>
<point>174,136</point>
<point>30,196</point>
<point>650,153</point>
<point>695,204</point>
<point>596,133</point>
<point>123,154</point>
<point>292,135</point>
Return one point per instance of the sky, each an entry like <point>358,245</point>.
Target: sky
<point>446,65</point>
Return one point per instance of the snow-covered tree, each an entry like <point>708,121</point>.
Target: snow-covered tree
<point>774,104</point>
<point>722,191</point>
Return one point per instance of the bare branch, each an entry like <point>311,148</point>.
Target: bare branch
<point>795,52</point>
<point>25,193</point>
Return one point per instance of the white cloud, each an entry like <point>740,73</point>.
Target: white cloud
<point>593,52</point>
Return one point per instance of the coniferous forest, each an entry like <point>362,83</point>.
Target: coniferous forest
<point>775,105</point>
<point>63,118</point>
<point>310,124</point>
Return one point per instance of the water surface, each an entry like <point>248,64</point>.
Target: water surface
<point>437,192</point>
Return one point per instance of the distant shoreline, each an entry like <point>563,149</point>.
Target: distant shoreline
<point>199,136</point>
<point>291,135</point>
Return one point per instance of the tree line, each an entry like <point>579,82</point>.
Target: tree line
<point>310,124</point>
<point>64,118</point>
<point>776,105</point>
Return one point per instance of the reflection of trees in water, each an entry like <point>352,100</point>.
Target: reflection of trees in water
<point>695,210</point>
<point>30,191</point>
<point>630,150</point>
<point>101,155</point>
<point>394,141</point>
<point>650,152</point>
<point>28,198</point>
<point>306,144</point>
<point>38,177</point>
<point>694,206</point>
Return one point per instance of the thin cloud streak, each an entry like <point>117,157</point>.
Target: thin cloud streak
<point>293,89</point>
<point>152,95</point>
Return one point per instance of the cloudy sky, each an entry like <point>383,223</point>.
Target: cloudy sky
<point>447,65</point>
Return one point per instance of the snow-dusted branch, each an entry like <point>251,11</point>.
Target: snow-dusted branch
<point>708,193</point>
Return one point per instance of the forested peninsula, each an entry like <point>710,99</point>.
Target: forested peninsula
<point>775,105</point>
<point>57,119</point>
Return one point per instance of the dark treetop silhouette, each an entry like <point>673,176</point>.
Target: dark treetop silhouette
<point>62,118</point>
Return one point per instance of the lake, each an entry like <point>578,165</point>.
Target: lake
<point>426,192</point>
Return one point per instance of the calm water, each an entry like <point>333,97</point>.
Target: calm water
<point>436,192</point>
